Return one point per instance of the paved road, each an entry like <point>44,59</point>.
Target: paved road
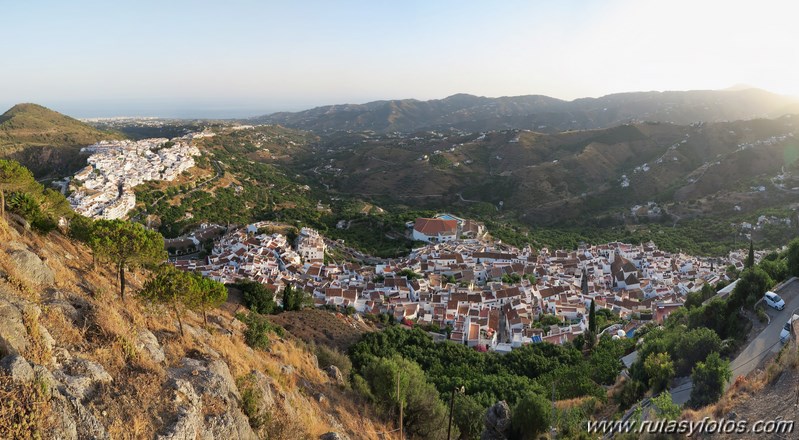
<point>764,344</point>
<point>768,341</point>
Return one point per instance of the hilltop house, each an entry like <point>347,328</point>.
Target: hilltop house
<point>435,230</point>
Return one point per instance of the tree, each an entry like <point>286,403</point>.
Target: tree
<point>172,287</point>
<point>210,294</point>
<point>660,369</point>
<point>13,177</point>
<point>468,416</point>
<point>709,378</point>
<point>750,260</point>
<point>592,318</point>
<point>793,257</point>
<point>665,408</point>
<point>425,415</point>
<point>692,347</point>
<point>752,284</point>
<point>292,299</point>
<point>126,245</point>
<point>257,297</point>
<point>531,417</point>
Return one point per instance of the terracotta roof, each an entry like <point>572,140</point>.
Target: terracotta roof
<point>435,226</point>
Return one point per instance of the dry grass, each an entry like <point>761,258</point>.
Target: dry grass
<point>61,328</point>
<point>15,279</point>
<point>37,351</point>
<point>25,411</point>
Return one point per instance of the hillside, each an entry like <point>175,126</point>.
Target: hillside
<point>540,113</point>
<point>46,141</point>
<point>768,393</point>
<point>596,178</point>
<point>78,362</point>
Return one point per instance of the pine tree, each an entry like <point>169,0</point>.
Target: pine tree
<point>750,261</point>
<point>126,245</point>
<point>592,318</point>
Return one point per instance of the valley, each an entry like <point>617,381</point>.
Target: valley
<point>579,243</point>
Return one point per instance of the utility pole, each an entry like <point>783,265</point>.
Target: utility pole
<point>451,406</point>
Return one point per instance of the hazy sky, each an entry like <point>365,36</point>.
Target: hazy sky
<point>230,58</point>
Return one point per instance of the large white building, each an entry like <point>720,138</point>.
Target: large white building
<point>435,230</point>
<point>311,245</point>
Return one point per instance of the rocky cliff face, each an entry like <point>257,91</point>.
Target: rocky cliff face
<point>77,362</point>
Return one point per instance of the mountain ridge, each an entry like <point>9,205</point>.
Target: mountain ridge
<point>543,113</point>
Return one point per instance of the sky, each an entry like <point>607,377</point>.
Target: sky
<point>237,58</point>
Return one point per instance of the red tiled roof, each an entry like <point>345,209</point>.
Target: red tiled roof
<point>435,226</point>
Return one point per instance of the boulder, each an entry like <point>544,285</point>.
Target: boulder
<point>147,343</point>
<point>31,267</point>
<point>332,436</point>
<point>497,422</point>
<point>287,370</point>
<point>13,335</point>
<point>17,367</point>
<point>335,374</point>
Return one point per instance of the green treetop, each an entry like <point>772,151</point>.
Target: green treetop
<point>126,245</point>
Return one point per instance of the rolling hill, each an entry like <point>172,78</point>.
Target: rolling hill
<point>540,113</point>
<point>46,141</point>
<point>632,173</point>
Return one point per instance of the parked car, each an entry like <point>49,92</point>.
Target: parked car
<point>785,334</point>
<point>774,300</point>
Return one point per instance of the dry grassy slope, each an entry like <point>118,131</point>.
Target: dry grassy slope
<point>142,399</point>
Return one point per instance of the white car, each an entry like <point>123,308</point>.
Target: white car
<point>785,334</point>
<point>774,300</point>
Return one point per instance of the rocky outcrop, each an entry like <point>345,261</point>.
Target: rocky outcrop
<point>335,374</point>
<point>81,377</point>
<point>13,335</point>
<point>17,367</point>
<point>196,382</point>
<point>497,422</point>
<point>31,267</point>
<point>147,343</point>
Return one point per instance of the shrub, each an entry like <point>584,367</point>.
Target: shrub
<point>709,378</point>
<point>258,329</point>
<point>531,417</point>
<point>330,356</point>
<point>251,401</point>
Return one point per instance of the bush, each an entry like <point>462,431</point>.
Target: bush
<point>761,315</point>
<point>252,401</point>
<point>531,417</point>
<point>258,329</point>
<point>330,356</point>
<point>709,378</point>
